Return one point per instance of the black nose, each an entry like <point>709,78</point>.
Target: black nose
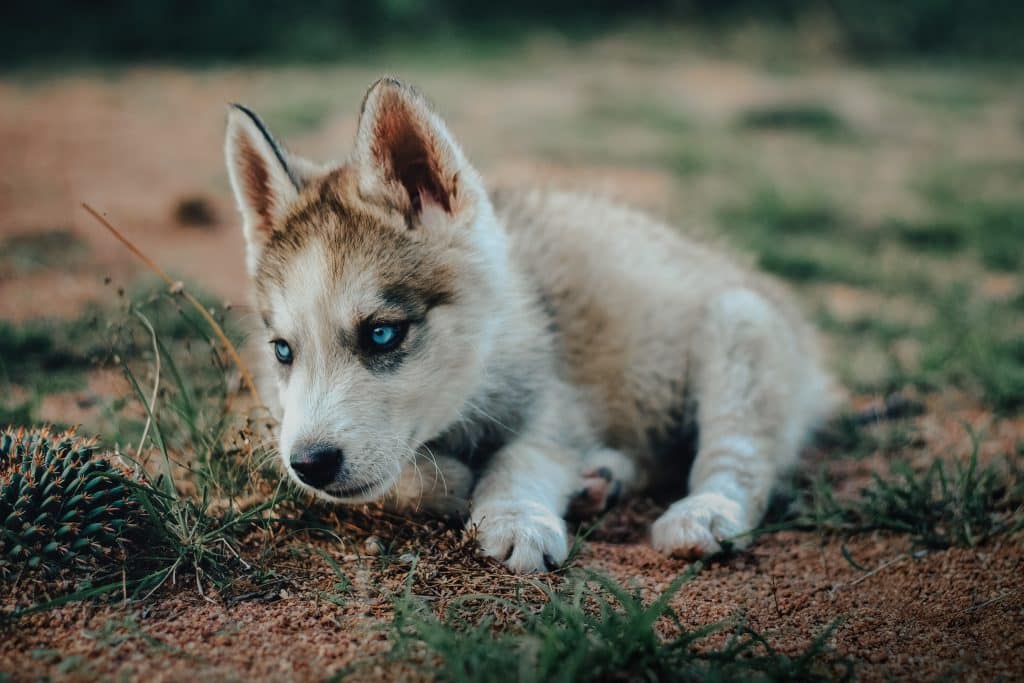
<point>316,465</point>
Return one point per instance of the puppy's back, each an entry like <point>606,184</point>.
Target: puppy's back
<point>626,295</point>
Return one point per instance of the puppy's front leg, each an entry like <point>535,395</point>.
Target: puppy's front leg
<point>519,505</point>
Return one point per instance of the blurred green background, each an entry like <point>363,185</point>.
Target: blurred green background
<point>870,154</point>
<point>118,30</point>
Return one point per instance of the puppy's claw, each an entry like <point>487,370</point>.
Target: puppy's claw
<point>527,537</point>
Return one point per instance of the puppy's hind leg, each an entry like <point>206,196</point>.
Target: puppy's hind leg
<point>751,416</point>
<point>608,477</point>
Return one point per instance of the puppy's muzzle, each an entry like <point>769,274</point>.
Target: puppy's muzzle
<point>317,464</point>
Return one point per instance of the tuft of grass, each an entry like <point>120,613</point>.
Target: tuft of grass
<point>809,260</point>
<point>795,267</point>
<point>641,112</point>
<point>27,253</point>
<point>45,356</point>
<point>992,226</point>
<point>342,585</point>
<point>968,341</point>
<point>973,344</point>
<point>809,118</point>
<point>1018,302</point>
<point>795,236</point>
<point>19,414</point>
<point>194,463</point>
<point>961,505</point>
<point>592,629</point>
<point>769,211</point>
<point>864,327</point>
<point>999,234</point>
<point>686,162</point>
<point>195,533</point>
<point>850,436</point>
<point>957,99</point>
<point>188,538</point>
<point>940,236</point>
<point>42,356</point>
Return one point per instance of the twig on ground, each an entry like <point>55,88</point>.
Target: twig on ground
<point>862,577</point>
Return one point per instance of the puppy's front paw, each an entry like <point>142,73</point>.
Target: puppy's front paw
<point>696,525</point>
<point>526,536</point>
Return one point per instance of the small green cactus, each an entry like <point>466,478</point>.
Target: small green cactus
<point>60,505</point>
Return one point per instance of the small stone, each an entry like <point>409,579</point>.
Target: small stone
<point>194,212</point>
<point>373,546</point>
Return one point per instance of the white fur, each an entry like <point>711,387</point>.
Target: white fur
<point>579,331</point>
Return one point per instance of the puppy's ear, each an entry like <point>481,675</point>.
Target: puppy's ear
<point>404,145</point>
<point>264,177</point>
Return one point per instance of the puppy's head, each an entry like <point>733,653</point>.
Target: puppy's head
<point>375,280</point>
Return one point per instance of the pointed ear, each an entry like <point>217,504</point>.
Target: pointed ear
<point>403,144</point>
<point>264,177</point>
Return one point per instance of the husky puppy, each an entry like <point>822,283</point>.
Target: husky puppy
<point>435,345</point>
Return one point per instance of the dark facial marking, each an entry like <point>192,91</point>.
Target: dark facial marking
<point>415,303</point>
<point>406,307</point>
<point>499,419</point>
<point>376,361</point>
<point>381,336</point>
<point>387,359</point>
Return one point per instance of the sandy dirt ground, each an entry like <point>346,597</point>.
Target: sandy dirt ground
<point>137,143</point>
<point>912,616</point>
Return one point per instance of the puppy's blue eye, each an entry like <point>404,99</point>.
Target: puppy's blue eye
<point>384,335</point>
<point>379,337</point>
<point>283,352</point>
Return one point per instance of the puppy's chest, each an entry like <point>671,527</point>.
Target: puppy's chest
<point>490,423</point>
<point>472,444</point>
